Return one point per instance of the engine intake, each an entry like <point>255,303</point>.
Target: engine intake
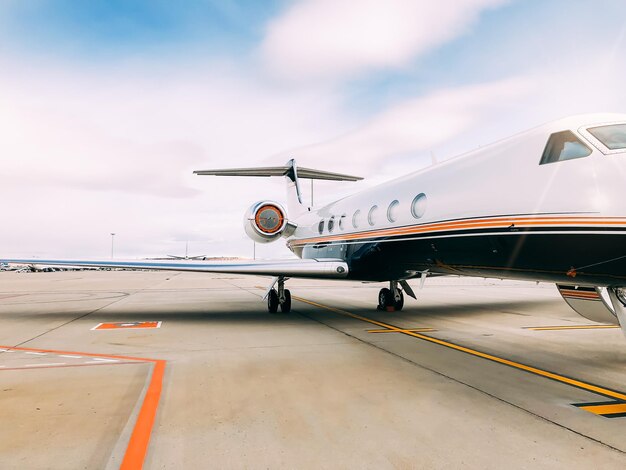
<point>266,221</point>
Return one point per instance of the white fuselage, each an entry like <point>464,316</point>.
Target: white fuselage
<point>500,185</point>
<point>504,178</point>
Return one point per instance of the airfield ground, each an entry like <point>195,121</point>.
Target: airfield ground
<point>458,379</point>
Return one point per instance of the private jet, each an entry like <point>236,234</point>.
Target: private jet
<point>548,204</point>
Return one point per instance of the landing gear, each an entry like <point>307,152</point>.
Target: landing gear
<point>285,305</point>
<point>281,298</point>
<point>618,299</point>
<point>392,298</point>
<point>272,301</point>
<point>384,299</point>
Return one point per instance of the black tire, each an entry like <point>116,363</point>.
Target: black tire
<point>285,307</point>
<point>272,301</point>
<point>385,299</point>
<point>398,304</point>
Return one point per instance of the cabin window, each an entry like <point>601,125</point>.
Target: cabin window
<point>564,146</point>
<point>371,216</point>
<point>418,206</point>
<point>392,211</point>
<point>355,219</point>
<point>613,136</point>
<point>342,222</point>
<point>331,224</point>
<point>320,227</point>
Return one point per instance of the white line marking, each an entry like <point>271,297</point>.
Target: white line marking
<point>71,356</point>
<point>100,359</point>
<point>37,353</point>
<point>46,365</point>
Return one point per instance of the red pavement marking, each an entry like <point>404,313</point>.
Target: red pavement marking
<point>128,325</point>
<point>140,438</point>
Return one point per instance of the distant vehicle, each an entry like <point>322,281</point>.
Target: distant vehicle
<point>547,205</point>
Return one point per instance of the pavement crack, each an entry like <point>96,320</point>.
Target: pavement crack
<point>453,379</point>
<point>80,317</point>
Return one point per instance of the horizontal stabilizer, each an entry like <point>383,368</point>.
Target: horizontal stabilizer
<point>303,173</point>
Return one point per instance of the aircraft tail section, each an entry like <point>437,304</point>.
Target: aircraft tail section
<point>292,173</point>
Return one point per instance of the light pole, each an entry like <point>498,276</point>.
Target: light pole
<point>112,243</point>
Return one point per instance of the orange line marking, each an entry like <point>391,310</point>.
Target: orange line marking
<point>402,330</point>
<point>56,351</point>
<point>570,327</point>
<point>608,409</point>
<point>65,366</point>
<point>140,438</point>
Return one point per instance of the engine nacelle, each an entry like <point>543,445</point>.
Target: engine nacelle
<point>266,221</point>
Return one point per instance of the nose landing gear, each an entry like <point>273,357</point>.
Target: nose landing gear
<point>391,299</point>
<point>280,297</point>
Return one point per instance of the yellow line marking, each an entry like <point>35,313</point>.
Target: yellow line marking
<point>533,370</point>
<point>609,409</point>
<point>570,327</point>
<point>398,330</point>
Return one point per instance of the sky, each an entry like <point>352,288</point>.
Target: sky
<point>107,107</point>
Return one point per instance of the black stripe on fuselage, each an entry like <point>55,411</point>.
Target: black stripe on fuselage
<point>567,255</point>
<point>463,232</point>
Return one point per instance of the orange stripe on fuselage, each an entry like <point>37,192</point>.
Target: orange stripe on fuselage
<point>583,297</point>
<point>469,224</point>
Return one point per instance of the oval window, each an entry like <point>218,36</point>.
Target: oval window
<point>355,218</point>
<point>371,215</point>
<point>392,211</point>
<point>331,223</point>
<point>342,222</point>
<point>320,227</point>
<point>418,206</point>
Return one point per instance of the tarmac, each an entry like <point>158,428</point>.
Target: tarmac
<point>461,378</point>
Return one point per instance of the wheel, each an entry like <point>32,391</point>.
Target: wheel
<point>272,301</point>
<point>399,303</point>
<point>385,299</point>
<point>285,307</point>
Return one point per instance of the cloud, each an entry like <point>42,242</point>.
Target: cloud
<point>415,125</point>
<point>143,129</point>
<point>111,148</point>
<point>336,39</point>
<point>90,148</point>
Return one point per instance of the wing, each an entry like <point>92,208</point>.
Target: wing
<point>307,268</point>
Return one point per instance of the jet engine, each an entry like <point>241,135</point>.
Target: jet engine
<point>266,221</point>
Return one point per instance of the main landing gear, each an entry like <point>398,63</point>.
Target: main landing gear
<point>279,297</point>
<point>391,299</point>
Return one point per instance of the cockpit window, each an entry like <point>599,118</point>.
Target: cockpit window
<point>613,136</point>
<point>564,146</point>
